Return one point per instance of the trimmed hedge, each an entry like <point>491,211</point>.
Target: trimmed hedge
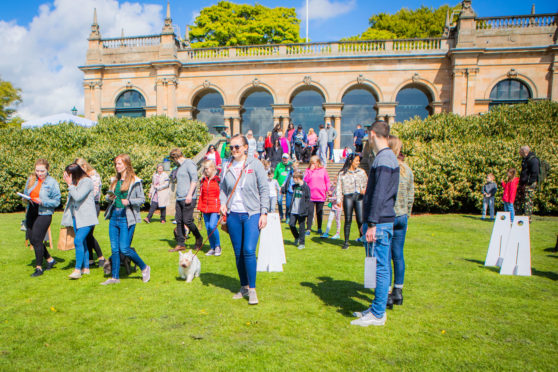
<point>146,140</point>
<point>450,155</point>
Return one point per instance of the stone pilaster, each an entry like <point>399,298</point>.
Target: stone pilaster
<point>386,111</point>
<point>231,114</point>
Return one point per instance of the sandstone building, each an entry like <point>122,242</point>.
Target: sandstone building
<point>479,62</point>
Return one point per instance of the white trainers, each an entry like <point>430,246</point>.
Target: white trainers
<point>336,236</point>
<point>243,292</point>
<point>301,246</point>
<point>369,319</point>
<point>146,274</point>
<point>211,252</point>
<point>252,297</point>
<point>110,281</point>
<point>217,251</point>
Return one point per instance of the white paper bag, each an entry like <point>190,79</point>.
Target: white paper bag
<point>370,272</point>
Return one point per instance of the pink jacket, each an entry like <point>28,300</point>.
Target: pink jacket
<point>318,182</point>
<point>284,145</point>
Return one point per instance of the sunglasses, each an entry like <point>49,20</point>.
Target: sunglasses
<point>235,147</point>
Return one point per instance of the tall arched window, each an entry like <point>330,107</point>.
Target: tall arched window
<point>412,100</point>
<point>307,109</point>
<point>508,92</point>
<point>208,109</point>
<point>130,103</point>
<point>257,113</point>
<point>358,108</point>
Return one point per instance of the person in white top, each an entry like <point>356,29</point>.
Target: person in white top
<point>274,190</point>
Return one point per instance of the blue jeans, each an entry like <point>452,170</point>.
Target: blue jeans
<point>211,220</point>
<point>488,203</point>
<point>288,196</point>
<point>397,244</point>
<point>120,238</point>
<point>82,253</point>
<point>330,150</point>
<point>244,233</point>
<point>508,207</point>
<point>382,251</point>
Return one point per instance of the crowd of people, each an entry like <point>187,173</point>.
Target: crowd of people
<point>238,187</point>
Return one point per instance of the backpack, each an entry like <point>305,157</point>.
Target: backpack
<point>299,138</point>
<point>544,170</point>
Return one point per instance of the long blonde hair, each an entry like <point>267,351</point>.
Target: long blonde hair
<point>130,174</point>
<point>33,176</point>
<point>395,144</point>
<point>87,168</point>
<point>315,159</point>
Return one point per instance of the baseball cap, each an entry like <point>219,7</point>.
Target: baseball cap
<point>285,156</point>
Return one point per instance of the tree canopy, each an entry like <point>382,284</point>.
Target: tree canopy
<point>229,24</point>
<point>8,96</point>
<point>423,22</point>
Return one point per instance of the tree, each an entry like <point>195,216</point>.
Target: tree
<point>8,96</point>
<point>228,24</point>
<point>423,22</point>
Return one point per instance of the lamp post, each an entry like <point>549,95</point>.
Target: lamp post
<point>74,111</point>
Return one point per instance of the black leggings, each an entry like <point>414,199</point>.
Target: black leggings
<point>153,207</point>
<point>319,214</point>
<point>37,228</point>
<point>352,202</point>
<point>90,239</point>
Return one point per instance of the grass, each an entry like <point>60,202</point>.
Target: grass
<point>457,314</point>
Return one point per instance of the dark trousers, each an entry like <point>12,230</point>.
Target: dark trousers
<point>184,215</point>
<point>352,202</point>
<point>90,240</point>
<point>153,207</point>
<point>37,227</point>
<point>300,233</point>
<point>298,151</point>
<point>358,148</point>
<point>319,206</point>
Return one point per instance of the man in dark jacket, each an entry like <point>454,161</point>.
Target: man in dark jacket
<point>528,181</point>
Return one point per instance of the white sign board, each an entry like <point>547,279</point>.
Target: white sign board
<point>517,257</point>
<point>271,255</point>
<point>499,239</point>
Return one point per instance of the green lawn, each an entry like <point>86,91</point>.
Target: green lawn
<point>457,314</point>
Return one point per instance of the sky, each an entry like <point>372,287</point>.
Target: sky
<point>42,42</point>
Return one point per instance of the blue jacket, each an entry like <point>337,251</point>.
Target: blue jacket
<point>49,195</point>
<point>304,138</point>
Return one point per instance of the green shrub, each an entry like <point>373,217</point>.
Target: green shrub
<point>146,140</point>
<point>450,155</point>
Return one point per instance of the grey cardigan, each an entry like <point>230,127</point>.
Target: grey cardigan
<point>136,197</point>
<point>253,186</point>
<point>81,205</point>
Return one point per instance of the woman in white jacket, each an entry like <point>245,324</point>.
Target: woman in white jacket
<point>80,213</point>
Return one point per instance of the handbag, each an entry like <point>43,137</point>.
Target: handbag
<point>66,238</point>
<point>369,267</point>
<point>224,226</point>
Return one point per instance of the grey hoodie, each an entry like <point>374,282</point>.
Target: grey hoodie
<point>253,186</point>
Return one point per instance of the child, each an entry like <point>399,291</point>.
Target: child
<point>346,151</point>
<point>274,190</point>
<point>267,165</point>
<point>510,190</point>
<point>489,192</point>
<point>260,147</point>
<point>209,204</point>
<point>287,189</point>
<point>334,213</point>
<point>300,207</point>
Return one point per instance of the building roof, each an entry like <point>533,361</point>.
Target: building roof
<point>57,119</point>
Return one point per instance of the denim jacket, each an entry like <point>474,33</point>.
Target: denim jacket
<point>49,195</point>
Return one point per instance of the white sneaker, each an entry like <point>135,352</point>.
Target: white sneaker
<point>211,252</point>
<point>336,236</point>
<point>301,246</point>
<point>217,251</point>
<point>369,319</point>
<point>242,292</point>
<point>252,297</point>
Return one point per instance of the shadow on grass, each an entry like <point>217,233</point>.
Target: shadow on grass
<point>339,294</point>
<point>545,274</point>
<point>478,218</point>
<point>57,259</point>
<point>219,280</point>
<point>481,263</point>
<point>170,242</point>
<point>551,249</point>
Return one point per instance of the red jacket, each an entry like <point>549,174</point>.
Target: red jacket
<point>510,189</point>
<point>208,201</point>
<point>267,143</point>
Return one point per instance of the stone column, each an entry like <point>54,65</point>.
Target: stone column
<point>236,125</point>
<point>88,109</point>
<point>458,92</point>
<point>553,81</point>
<point>337,142</point>
<point>231,113</point>
<point>281,112</point>
<point>160,88</point>
<point>386,111</point>
<point>171,98</point>
<point>98,86</point>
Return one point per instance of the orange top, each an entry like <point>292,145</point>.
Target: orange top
<point>35,192</point>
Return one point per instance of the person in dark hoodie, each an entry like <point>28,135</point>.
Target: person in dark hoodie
<point>528,181</point>
<point>489,195</point>
<point>300,208</point>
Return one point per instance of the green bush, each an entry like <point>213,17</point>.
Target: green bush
<point>146,140</point>
<point>450,155</point>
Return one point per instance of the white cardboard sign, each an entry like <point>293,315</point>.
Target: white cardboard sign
<point>517,258</point>
<point>271,255</point>
<point>499,239</point>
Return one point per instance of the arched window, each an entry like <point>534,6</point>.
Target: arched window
<point>130,103</point>
<point>257,113</point>
<point>307,109</point>
<point>208,109</point>
<point>412,100</point>
<point>508,92</point>
<point>358,108</point>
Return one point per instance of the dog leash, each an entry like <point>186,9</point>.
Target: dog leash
<point>227,203</point>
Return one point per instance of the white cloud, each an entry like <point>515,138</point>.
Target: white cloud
<point>325,9</point>
<point>42,58</point>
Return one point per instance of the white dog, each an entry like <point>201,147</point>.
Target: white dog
<point>189,266</point>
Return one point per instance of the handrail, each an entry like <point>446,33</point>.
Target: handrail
<point>530,20</point>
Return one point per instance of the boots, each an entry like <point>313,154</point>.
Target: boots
<point>397,296</point>
<point>389,304</point>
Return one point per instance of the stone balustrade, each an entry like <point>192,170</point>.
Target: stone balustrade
<point>506,22</point>
<point>131,42</point>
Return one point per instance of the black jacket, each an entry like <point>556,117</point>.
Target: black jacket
<point>275,156</point>
<point>305,203</point>
<point>529,169</point>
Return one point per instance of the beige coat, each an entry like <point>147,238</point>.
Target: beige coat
<point>162,190</point>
